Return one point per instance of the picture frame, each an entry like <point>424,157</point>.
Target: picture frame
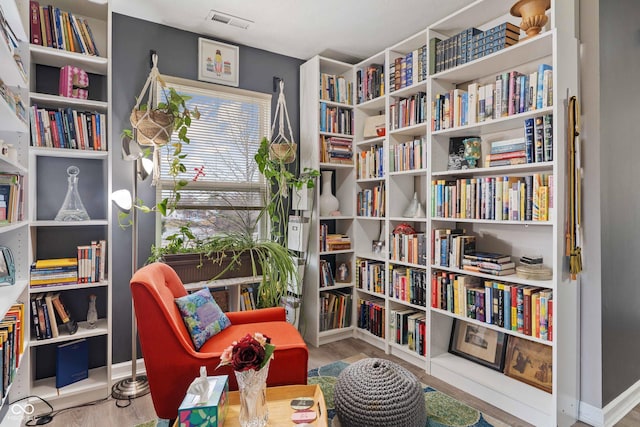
<point>530,362</point>
<point>479,344</point>
<point>218,62</point>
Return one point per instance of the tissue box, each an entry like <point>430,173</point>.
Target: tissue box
<point>213,412</point>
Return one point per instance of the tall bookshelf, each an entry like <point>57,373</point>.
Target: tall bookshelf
<point>14,130</point>
<point>322,303</point>
<point>47,238</point>
<point>555,46</point>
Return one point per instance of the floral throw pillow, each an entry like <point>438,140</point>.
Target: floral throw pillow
<point>202,316</point>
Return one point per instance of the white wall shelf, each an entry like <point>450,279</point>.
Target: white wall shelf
<point>59,58</point>
<point>63,101</point>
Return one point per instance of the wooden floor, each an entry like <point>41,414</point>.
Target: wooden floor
<point>106,414</point>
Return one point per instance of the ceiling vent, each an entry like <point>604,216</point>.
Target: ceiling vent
<point>225,18</point>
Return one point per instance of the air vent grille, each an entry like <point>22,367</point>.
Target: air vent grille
<point>228,19</point>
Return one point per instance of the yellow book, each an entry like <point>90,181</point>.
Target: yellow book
<point>544,203</point>
<point>57,262</point>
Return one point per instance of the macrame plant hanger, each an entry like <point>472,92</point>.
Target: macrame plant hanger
<point>152,127</point>
<point>282,147</point>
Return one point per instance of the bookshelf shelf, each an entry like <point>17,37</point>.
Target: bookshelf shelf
<point>413,130</point>
<point>72,286</point>
<point>83,332</point>
<point>407,303</point>
<point>46,388</point>
<point>68,153</point>
<point>512,278</point>
<point>9,294</point>
<point>11,74</point>
<point>5,228</point>
<point>493,221</point>
<point>52,223</point>
<point>62,101</point>
<point>335,166</point>
<point>371,293</point>
<point>373,105</point>
<point>407,91</point>
<point>497,170</point>
<point>9,121</point>
<point>410,172</point>
<point>12,15</point>
<point>407,219</point>
<point>59,58</point>
<point>366,143</point>
<point>338,285</point>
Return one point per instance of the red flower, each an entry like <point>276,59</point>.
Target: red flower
<point>250,352</point>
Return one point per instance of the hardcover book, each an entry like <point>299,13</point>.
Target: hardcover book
<point>72,362</point>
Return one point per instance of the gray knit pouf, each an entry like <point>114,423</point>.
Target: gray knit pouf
<point>379,393</point>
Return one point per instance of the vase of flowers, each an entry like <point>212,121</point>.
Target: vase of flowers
<point>250,357</point>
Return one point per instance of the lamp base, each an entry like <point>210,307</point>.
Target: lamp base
<point>130,388</point>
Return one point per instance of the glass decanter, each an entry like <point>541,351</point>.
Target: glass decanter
<point>72,208</point>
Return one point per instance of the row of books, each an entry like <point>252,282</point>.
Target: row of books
<point>370,275</point>
<point>408,111</point>
<point>512,93</point>
<point>327,277</point>
<point>11,345</point>
<point>409,328</point>
<point>59,29</point>
<point>68,128</point>
<point>11,198</point>
<point>518,308</point>
<point>471,44</point>
<point>408,284</point>
<point>333,241</point>
<point>370,163</point>
<point>88,267</point>
<point>406,70</point>
<point>247,298</point>
<point>371,201</point>
<point>335,310</point>
<point>369,82</point>
<point>371,317</point>
<point>500,198</point>
<point>11,41</point>
<point>409,248</point>
<point>50,316</point>
<point>336,149</point>
<point>335,89</point>
<point>449,245</point>
<point>409,155</point>
<point>14,101</point>
<point>336,119</point>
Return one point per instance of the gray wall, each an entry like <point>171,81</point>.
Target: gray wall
<point>178,55</point>
<point>620,197</point>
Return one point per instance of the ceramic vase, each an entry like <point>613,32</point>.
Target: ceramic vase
<point>252,386</point>
<point>328,202</point>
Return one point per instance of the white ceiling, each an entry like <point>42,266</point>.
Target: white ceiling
<point>347,30</point>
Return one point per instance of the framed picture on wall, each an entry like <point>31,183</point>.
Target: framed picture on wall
<point>218,62</point>
<point>530,362</point>
<point>478,344</point>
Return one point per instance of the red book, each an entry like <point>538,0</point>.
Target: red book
<point>51,42</point>
<point>550,321</point>
<point>34,19</point>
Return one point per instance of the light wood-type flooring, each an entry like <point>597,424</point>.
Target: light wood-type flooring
<point>106,414</point>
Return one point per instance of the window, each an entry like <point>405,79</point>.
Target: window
<point>226,191</point>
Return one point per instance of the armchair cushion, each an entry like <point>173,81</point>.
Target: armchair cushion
<point>202,316</point>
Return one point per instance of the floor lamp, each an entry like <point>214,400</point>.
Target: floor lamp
<point>136,385</point>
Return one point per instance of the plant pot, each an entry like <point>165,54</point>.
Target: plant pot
<point>197,267</point>
<point>533,15</point>
<point>286,152</point>
<point>153,127</point>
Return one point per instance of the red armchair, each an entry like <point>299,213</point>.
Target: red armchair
<point>170,357</point>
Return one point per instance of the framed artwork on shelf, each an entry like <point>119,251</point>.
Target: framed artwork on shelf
<point>478,344</point>
<point>530,362</point>
<point>218,62</point>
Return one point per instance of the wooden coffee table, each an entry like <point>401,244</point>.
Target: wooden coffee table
<point>278,402</point>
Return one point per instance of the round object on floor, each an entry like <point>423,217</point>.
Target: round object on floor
<point>379,393</point>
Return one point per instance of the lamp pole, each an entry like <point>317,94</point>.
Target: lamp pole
<point>137,385</point>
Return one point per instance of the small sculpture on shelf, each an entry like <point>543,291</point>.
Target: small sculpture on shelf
<point>415,209</point>
<point>92,313</point>
<point>343,273</point>
<point>472,151</point>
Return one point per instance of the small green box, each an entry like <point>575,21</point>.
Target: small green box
<point>213,412</point>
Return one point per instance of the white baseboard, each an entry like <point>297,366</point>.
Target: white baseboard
<point>122,370</point>
<point>614,411</point>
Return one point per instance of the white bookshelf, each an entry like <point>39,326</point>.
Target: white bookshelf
<point>555,46</point>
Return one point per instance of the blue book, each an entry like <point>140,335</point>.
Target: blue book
<point>72,362</point>
<point>528,139</point>
<point>540,93</point>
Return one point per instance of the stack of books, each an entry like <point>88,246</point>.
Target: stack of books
<point>44,310</point>
<point>338,242</point>
<point>335,149</point>
<point>91,262</point>
<point>54,272</point>
<point>507,152</point>
<point>488,263</point>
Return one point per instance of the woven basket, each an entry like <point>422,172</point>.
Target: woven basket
<point>284,151</point>
<point>153,127</point>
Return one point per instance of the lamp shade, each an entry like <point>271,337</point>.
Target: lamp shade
<point>122,199</point>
